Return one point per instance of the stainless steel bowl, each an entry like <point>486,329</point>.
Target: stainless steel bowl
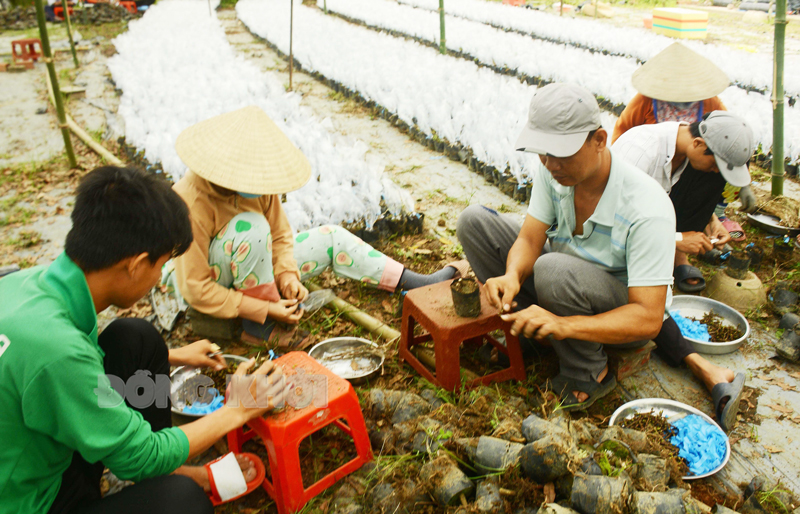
<point>771,224</point>
<point>186,387</point>
<point>673,411</point>
<point>351,358</point>
<point>697,306</point>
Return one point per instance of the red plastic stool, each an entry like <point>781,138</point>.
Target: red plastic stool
<point>432,307</point>
<point>58,12</point>
<point>130,6</point>
<point>26,50</point>
<point>308,411</point>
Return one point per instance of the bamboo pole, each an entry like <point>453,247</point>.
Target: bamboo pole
<point>67,22</point>
<point>325,6</point>
<point>83,135</point>
<point>561,6</point>
<point>361,318</point>
<point>442,46</point>
<point>778,98</point>
<point>291,30</point>
<point>51,70</point>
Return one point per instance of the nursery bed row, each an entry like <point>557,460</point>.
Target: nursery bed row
<point>535,62</point>
<point>747,70</point>
<point>191,73</point>
<point>468,108</point>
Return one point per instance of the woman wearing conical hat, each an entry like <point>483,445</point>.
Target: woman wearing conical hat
<point>244,261</point>
<point>681,85</point>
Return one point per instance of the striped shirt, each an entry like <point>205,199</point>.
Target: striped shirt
<point>630,234</point>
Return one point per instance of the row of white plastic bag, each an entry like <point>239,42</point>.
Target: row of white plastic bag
<point>176,68</point>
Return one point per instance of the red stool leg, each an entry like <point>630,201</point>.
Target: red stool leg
<point>448,363</point>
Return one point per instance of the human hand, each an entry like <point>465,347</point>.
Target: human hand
<point>252,396</point>
<point>537,323</point>
<point>716,230</point>
<point>502,291</point>
<point>285,311</point>
<point>694,243</point>
<point>197,355</point>
<point>290,286</point>
<point>747,199</point>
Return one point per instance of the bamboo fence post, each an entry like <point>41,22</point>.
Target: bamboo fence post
<point>291,30</point>
<point>51,70</point>
<point>778,98</point>
<point>442,46</point>
<point>69,33</point>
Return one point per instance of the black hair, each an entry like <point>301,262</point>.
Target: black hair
<point>124,212</point>
<point>694,130</point>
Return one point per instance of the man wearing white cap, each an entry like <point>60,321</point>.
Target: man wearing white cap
<point>692,162</point>
<point>604,276</point>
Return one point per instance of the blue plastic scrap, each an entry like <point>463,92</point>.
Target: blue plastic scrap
<point>700,443</point>
<point>205,408</point>
<point>691,328</point>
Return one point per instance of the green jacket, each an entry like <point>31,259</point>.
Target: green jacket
<point>51,378</point>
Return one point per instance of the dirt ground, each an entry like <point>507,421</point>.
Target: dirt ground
<point>36,192</point>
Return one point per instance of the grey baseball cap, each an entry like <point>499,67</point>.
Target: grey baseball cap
<point>560,118</point>
<point>731,140</point>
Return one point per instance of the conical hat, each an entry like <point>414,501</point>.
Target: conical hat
<point>678,74</point>
<point>244,151</point>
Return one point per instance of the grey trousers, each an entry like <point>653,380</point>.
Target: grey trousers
<point>561,284</point>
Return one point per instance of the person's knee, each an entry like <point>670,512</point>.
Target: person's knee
<point>133,340</point>
<point>136,332</point>
<point>250,222</point>
<point>549,273</point>
<point>467,226</point>
<point>191,497</point>
<point>180,494</point>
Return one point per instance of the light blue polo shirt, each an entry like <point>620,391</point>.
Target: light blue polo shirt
<point>631,233</point>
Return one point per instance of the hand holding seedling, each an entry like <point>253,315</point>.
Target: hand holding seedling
<point>537,323</point>
<point>290,287</point>
<point>267,390</point>
<point>285,311</point>
<point>501,291</point>
<point>197,355</point>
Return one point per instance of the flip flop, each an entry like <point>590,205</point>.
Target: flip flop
<point>227,480</point>
<point>732,391</point>
<point>564,386</point>
<point>685,272</point>
<point>734,229</point>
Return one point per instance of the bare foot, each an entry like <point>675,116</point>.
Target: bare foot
<point>581,396</point>
<point>200,474</point>
<point>709,373</point>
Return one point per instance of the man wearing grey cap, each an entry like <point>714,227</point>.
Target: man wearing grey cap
<point>592,263</point>
<point>718,148</point>
<point>692,162</point>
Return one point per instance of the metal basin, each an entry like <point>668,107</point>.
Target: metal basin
<point>771,224</point>
<point>187,387</point>
<point>351,358</point>
<point>697,306</point>
<point>673,411</point>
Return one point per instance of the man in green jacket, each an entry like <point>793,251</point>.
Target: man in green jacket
<point>61,421</point>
